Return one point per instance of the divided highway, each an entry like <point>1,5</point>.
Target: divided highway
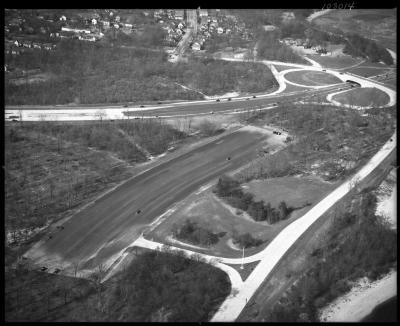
<point>97,234</point>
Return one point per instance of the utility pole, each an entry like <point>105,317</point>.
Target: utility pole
<point>241,267</point>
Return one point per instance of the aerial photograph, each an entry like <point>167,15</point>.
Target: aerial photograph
<point>200,165</point>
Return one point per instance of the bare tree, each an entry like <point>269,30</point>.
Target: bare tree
<point>100,114</point>
<point>96,279</point>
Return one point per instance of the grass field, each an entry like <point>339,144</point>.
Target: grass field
<point>295,191</point>
<point>335,62</point>
<point>363,96</point>
<point>312,78</point>
<point>282,68</point>
<point>367,71</point>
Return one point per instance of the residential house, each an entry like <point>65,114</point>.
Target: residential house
<point>94,21</point>
<point>196,46</point>
<point>48,46</point>
<point>63,18</point>
<point>117,19</point>
<point>26,44</point>
<point>75,30</point>
<point>203,12</point>
<point>179,14</point>
<point>116,26</point>
<point>89,38</point>
<point>220,30</point>
<point>181,25</point>
<point>36,45</point>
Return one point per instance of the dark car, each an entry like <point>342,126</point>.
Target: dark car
<point>323,70</point>
<point>159,102</point>
<point>14,120</point>
<point>254,96</point>
<point>125,105</point>
<point>228,158</point>
<point>142,106</point>
<point>341,73</point>
<point>218,100</point>
<point>57,270</point>
<point>247,98</point>
<point>138,211</point>
<point>229,99</point>
<point>43,269</point>
<point>212,112</point>
<point>137,118</point>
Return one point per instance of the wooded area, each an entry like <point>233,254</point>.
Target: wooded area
<point>96,73</point>
<point>359,243</point>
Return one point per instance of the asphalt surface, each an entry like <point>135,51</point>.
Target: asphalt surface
<point>94,235</point>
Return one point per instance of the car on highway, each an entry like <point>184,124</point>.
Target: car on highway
<point>254,96</point>
<point>159,102</point>
<point>229,99</point>
<point>142,106</point>
<point>323,69</point>
<point>275,104</point>
<point>125,105</point>
<point>14,120</point>
<point>136,118</point>
<point>247,98</point>
<point>218,100</point>
<point>212,112</point>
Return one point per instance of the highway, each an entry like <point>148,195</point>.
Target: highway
<point>97,235</point>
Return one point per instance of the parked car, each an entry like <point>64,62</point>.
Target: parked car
<point>125,105</point>
<point>218,100</point>
<point>229,99</point>
<point>142,106</point>
<point>43,269</point>
<point>254,96</point>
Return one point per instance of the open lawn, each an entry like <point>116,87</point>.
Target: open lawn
<point>335,62</point>
<point>312,78</point>
<point>296,191</point>
<point>363,96</point>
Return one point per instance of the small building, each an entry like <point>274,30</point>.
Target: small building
<point>220,30</point>
<point>94,21</point>
<point>63,18</point>
<point>117,19</point>
<point>116,26</point>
